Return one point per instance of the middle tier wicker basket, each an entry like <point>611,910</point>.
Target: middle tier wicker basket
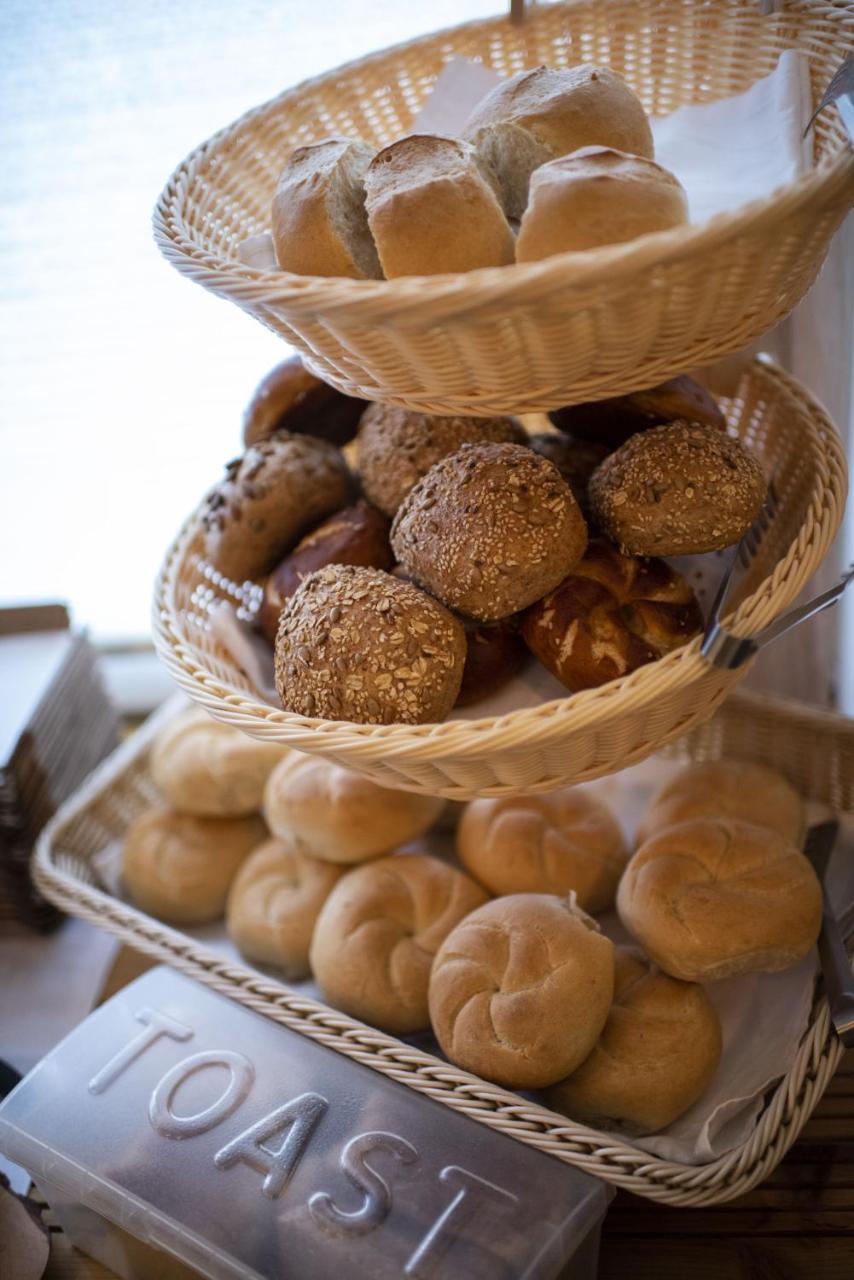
<point>571,738</point>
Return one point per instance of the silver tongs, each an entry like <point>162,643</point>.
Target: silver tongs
<point>724,649</point>
<point>835,964</point>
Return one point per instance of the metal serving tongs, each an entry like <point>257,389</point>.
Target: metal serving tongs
<point>721,647</point>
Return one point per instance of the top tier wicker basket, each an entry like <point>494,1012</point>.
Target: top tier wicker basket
<point>574,327</point>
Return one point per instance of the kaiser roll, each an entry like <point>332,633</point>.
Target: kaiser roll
<point>727,789</point>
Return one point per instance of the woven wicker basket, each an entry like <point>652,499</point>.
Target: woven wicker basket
<point>574,327</point>
<point>814,749</point>
<point>592,733</point>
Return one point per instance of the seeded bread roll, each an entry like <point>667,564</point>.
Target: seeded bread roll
<point>320,227</point>
<point>337,815</point>
<point>680,489</point>
<point>727,789</point>
<point>274,902</point>
<point>612,422</point>
<point>357,644</point>
<point>376,936</point>
<point>396,447</point>
<point>490,529</point>
<point>178,867</point>
<point>271,495</point>
<point>656,1055</point>
<point>715,897</point>
<point>433,206</point>
<point>290,398</point>
<point>540,114</point>
<point>520,990</point>
<point>576,460</point>
<point>594,197</point>
<point>356,535</point>
<point>561,842</point>
<point>611,615</point>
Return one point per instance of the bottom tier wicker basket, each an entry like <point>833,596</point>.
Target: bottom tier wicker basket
<point>815,749</point>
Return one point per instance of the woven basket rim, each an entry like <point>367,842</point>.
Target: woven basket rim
<point>466,738</point>
<point>484,287</point>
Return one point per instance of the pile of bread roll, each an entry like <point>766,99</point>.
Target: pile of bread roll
<point>412,563</point>
<point>551,161</point>
<point>496,949</point>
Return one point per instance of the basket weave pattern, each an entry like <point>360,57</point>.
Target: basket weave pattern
<point>592,733</point>
<point>814,749</point>
<point>576,327</point>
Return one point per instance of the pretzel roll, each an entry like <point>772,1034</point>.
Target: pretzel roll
<point>715,897</point>
<point>521,989</point>
<point>290,398</point>
<point>727,789</point>
<point>611,422</point>
<point>554,843</point>
<point>656,1055</point>
<point>613,614</point>
<point>376,936</point>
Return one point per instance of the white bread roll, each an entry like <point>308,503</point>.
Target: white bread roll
<point>727,789</point>
<point>715,897</point>
<point>656,1055</point>
<point>541,114</point>
<point>433,206</point>
<point>319,223</point>
<point>338,816</point>
<point>274,902</point>
<point>211,769</point>
<point>562,841</point>
<point>376,936</point>
<point>520,991</point>
<point>597,196</point>
<point>179,868</point>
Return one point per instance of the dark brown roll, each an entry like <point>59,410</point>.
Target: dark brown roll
<point>494,654</point>
<point>612,422</point>
<point>356,535</point>
<point>399,446</point>
<point>358,644</point>
<point>680,489</point>
<point>490,529</point>
<point>292,399</point>
<point>613,614</point>
<point>576,460</point>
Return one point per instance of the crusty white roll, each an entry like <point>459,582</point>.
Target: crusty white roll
<point>554,843</point>
<point>540,114</point>
<point>715,897</point>
<point>521,989</point>
<point>594,197</point>
<point>376,936</point>
<point>320,227</point>
<point>727,789</point>
<point>656,1055</point>
<point>433,206</point>
<point>202,766</point>
<point>274,902</point>
<point>178,867</point>
<point>337,815</point>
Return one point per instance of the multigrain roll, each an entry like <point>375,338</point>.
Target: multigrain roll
<point>289,398</point>
<point>521,989</point>
<point>612,422</point>
<point>271,495</point>
<point>178,867</point>
<point>576,460</point>
<point>595,197</point>
<point>357,644</point>
<point>715,897</point>
<point>540,114</point>
<point>320,227</point>
<point>559,842</point>
<point>490,529</point>
<point>396,447</point>
<point>656,1055</point>
<point>433,206</point>
<point>274,902</point>
<point>338,816</point>
<point>376,936</point>
<point>727,789</point>
<point>679,489</point>
<point>610,616</point>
